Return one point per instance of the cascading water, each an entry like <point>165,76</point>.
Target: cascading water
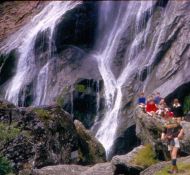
<point>24,40</point>
<point>105,55</point>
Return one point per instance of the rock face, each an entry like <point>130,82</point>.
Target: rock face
<point>38,137</point>
<point>164,56</point>
<point>15,14</point>
<point>92,151</point>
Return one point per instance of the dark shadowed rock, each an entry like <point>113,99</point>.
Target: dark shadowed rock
<point>7,66</point>
<point>72,28</point>
<point>91,150</point>
<point>124,164</point>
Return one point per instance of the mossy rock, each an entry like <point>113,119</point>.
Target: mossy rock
<point>91,150</point>
<point>145,157</point>
<point>43,114</point>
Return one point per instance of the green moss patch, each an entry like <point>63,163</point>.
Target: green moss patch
<point>184,169</point>
<point>145,157</point>
<point>42,114</point>
<point>8,133</point>
<point>80,88</point>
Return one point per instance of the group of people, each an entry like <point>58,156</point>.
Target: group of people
<point>173,132</point>
<point>155,105</point>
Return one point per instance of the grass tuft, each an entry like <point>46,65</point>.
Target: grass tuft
<point>145,157</point>
<point>184,169</point>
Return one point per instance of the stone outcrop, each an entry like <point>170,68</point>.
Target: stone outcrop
<point>91,151</point>
<point>43,136</point>
<point>124,164</point>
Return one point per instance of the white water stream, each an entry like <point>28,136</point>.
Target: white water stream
<point>24,41</point>
<point>105,55</point>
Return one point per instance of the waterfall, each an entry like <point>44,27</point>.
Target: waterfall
<point>115,27</point>
<point>24,41</point>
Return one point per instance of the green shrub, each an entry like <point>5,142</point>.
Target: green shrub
<point>80,88</point>
<point>145,157</point>
<point>7,132</point>
<point>5,166</point>
<point>184,168</point>
<point>42,114</point>
<point>186,105</point>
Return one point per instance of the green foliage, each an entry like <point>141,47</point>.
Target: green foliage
<point>184,168</point>
<point>145,157</point>
<point>43,114</point>
<point>7,132</point>
<point>80,88</point>
<point>186,105</point>
<point>5,167</point>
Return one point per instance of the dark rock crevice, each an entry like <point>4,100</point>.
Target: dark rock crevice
<point>7,66</point>
<point>77,27</point>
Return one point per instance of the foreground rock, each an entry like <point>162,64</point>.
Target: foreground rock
<point>60,170</point>
<point>98,169</point>
<point>124,164</point>
<point>44,136</point>
<point>92,150</point>
<point>155,169</point>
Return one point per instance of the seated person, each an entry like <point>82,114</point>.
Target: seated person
<point>151,107</point>
<point>142,100</point>
<point>157,98</point>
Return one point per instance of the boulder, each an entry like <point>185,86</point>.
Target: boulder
<point>60,170</point>
<point>39,137</point>
<point>91,150</point>
<point>124,164</point>
<point>99,169</point>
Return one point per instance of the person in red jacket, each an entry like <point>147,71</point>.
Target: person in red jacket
<point>151,107</point>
